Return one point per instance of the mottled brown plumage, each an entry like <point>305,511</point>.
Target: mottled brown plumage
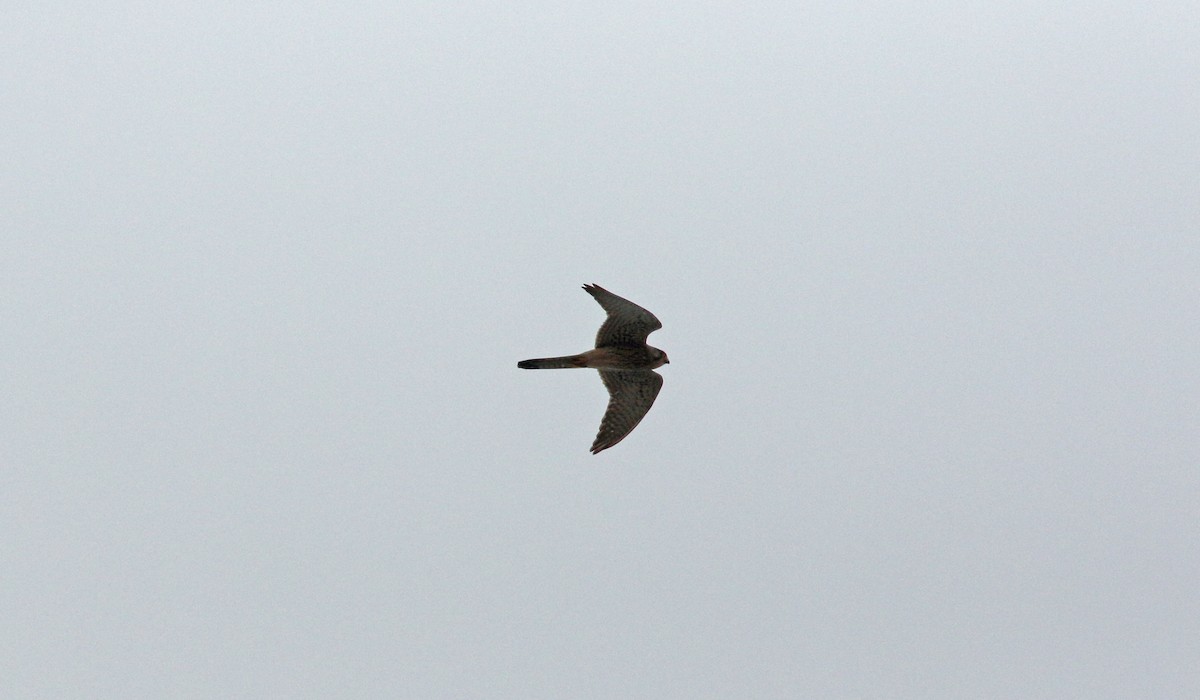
<point>625,362</point>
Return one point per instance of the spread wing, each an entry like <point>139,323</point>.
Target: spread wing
<point>627,323</point>
<point>631,393</point>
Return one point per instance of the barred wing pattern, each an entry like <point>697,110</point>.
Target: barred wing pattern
<point>627,323</point>
<point>631,393</point>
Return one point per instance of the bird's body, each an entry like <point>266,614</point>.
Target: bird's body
<point>625,362</point>
<point>616,357</point>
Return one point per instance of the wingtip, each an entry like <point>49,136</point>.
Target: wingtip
<point>599,446</point>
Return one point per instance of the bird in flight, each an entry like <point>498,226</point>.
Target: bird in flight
<point>625,362</point>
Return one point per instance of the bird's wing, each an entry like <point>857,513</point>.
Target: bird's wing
<point>631,393</point>
<point>627,323</point>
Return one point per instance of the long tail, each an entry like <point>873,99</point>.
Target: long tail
<point>553,362</point>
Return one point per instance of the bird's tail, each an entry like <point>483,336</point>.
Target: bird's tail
<point>553,362</point>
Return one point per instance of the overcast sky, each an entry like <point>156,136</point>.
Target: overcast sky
<point>928,278</point>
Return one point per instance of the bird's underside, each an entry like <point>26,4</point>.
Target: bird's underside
<point>625,362</point>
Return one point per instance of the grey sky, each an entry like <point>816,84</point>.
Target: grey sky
<point>928,280</point>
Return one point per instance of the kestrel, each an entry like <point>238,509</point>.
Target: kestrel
<point>625,362</point>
